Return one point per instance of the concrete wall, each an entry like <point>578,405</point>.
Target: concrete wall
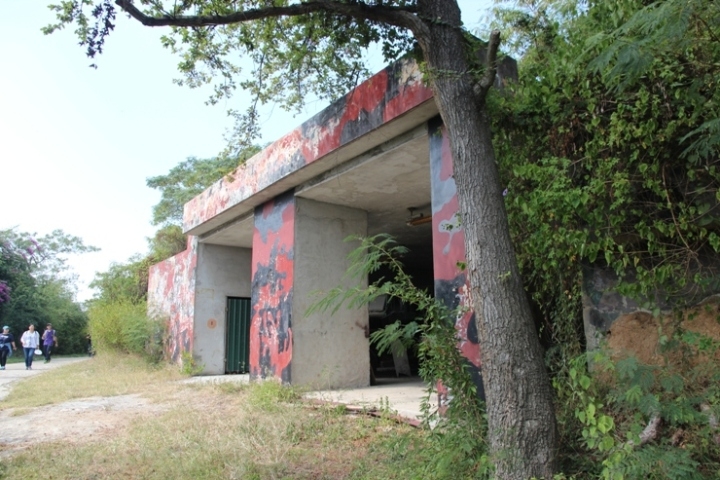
<point>171,297</point>
<point>221,272</point>
<point>329,350</point>
<point>451,283</point>
<point>601,305</point>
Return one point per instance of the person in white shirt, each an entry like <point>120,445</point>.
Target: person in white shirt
<point>30,341</point>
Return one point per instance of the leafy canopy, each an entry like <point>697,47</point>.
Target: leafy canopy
<point>614,171</point>
<point>281,56</point>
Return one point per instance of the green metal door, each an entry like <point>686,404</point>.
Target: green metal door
<point>237,338</point>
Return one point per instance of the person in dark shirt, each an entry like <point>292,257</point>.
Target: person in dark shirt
<point>49,338</point>
<point>90,350</point>
<point>7,344</point>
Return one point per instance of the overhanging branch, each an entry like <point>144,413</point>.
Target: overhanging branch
<point>397,16</point>
<point>482,87</point>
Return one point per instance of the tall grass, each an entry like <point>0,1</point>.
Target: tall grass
<point>206,431</point>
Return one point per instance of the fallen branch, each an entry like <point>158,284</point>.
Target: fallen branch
<point>370,411</point>
<point>677,437</point>
<point>712,421</point>
<point>650,432</point>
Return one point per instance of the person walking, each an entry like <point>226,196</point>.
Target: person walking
<point>30,341</point>
<point>7,340</point>
<point>49,338</point>
<point>90,350</point>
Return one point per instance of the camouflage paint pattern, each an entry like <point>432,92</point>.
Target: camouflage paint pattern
<point>451,283</point>
<point>385,96</point>
<point>272,289</point>
<point>171,296</point>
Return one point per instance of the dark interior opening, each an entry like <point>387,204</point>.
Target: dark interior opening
<point>402,361</point>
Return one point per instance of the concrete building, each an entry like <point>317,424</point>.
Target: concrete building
<point>264,238</point>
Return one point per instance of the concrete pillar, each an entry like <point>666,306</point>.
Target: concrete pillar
<point>273,257</point>
<point>451,283</point>
<point>222,272</point>
<point>330,350</point>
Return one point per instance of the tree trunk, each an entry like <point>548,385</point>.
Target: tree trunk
<point>522,432</point>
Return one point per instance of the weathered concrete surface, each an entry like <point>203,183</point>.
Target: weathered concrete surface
<point>273,263</point>
<point>330,350</point>
<point>309,149</point>
<point>221,272</point>
<point>452,286</point>
<point>402,396</point>
<point>16,371</point>
<point>171,297</point>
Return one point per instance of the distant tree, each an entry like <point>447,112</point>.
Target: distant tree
<point>128,281</point>
<point>122,281</point>
<point>186,180</point>
<point>36,285</point>
<point>166,242</point>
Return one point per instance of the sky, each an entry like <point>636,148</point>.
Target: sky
<point>77,144</point>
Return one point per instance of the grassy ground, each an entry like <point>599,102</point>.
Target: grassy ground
<point>225,431</point>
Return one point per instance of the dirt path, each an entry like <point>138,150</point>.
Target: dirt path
<point>71,421</point>
<point>16,371</point>
<point>78,420</point>
<point>86,419</point>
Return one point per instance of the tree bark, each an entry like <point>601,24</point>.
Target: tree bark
<point>522,430</point>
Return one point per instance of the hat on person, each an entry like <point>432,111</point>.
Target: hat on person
<point>6,327</point>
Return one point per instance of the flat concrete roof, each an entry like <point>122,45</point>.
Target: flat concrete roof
<point>370,150</point>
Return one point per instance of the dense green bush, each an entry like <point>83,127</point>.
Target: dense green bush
<point>609,147</point>
<point>125,326</point>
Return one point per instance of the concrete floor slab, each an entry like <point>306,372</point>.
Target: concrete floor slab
<point>215,379</point>
<point>401,395</point>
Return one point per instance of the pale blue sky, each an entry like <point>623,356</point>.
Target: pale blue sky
<point>76,143</point>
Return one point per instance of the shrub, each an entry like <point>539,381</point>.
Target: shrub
<point>125,327</point>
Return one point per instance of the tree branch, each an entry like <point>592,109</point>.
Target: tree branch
<point>482,87</point>
<point>397,16</point>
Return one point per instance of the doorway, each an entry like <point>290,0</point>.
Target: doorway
<point>237,335</point>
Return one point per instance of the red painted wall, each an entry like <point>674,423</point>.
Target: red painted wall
<point>451,283</point>
<point>272,289</point>
<point>171,297</point>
